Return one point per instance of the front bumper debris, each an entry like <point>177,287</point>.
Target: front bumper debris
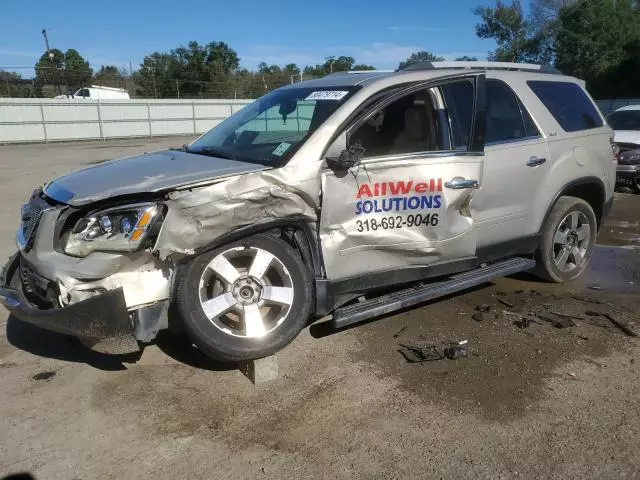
<point>101,322</point>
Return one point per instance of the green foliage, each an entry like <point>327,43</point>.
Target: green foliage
<point>13,85</point>
<point>420,57</point>
<point>599,41</point>
<point>67,69</point>
<point>110,76</point>
<point>466,58</point>
<point>514,34</point>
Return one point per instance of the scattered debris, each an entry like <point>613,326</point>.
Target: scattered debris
<point>524,322</point>
<point>572,375</point>
<point>456,350</point>
<point>514,314</point>
<point>587,300</point>
<point>625,328</point>
<point>430,353</point>
<point>505,303</point>
<point>485,307</point>
<point>44,375</point>
<point>535,293</point>
<point>400,332</point>
<point>479,317</point>
<point>595,287</point>
<point>565,315</point>
<point>582,337</point>
<point>416,354</point>
<point>558,322</point>
<point>500,294</point>
<point>518,292</point>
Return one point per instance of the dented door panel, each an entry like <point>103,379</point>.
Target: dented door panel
<point>388,214</point>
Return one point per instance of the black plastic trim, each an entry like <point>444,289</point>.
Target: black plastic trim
<point>575,183</point>
<point>517,246</point>
<point>328,292</point>
<point>299,223</point>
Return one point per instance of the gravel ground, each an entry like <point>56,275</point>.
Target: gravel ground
<point>525,402</point>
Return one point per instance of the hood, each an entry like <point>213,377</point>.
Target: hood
<point>627,136</point>
<point>148,173</point>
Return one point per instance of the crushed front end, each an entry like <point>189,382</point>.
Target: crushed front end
<point>87,272</point>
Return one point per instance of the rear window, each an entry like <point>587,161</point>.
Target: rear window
<point>568,104</point>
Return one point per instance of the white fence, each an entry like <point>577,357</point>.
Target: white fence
<point>48,120</point>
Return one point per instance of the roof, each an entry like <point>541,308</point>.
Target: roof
<point>428,70</point>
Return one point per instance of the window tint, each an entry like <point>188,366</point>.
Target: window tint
<point>568,104</point>
<point>419,122</point>
<point>625,120</point>
<point>529,126</point>
<point>83,93</point>
<point>505,117</point>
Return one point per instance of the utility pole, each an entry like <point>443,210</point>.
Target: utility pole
<point>50,55</point>
<point>177,88</point>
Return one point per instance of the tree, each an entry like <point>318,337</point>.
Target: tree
<point>466,58</point>
<point>514,34</point>
<point>420,57</point>
<point>292,69</point>
<point>599,40</point>
<point>68,69</point>
<point>109,76</point>
<point>13,85</point>
<point>157,75</point>
<point>221,58</point>
<point>362,66</point>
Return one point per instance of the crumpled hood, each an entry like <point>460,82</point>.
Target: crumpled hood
<point>148,173</point>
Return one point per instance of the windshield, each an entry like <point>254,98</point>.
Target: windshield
<point>625,120</point>
<point>269,130</point>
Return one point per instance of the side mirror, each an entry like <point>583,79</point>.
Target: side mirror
<point>340,158</point>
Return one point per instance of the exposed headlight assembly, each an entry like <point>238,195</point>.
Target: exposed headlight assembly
<point>118,229</point>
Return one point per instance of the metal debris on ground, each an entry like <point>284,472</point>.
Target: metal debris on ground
<point>479,317</point>
<point>587,300</point>
<point>400,332</point>
<point>524,322</point>
<point>430,353</point>
<point>565,315</point>
<point>556,321</point>
<point>485,307</point>
<point>505,303</point>
<point>44,375</point>
<point>595,287</point>
<point>620,325</point>
<point>456,350</point>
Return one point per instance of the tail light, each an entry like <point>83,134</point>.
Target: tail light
<point>616,150</point>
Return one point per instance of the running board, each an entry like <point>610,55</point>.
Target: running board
<point>415,295</point>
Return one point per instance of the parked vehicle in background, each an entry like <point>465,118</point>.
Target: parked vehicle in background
<point>97,92</point>
<point>626,125</point>
<point>356,194</point>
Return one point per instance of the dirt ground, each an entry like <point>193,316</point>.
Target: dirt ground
<point>535,402</point>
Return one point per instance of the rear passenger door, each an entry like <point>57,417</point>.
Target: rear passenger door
<point>516,169</point>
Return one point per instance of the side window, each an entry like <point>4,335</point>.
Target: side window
<point>83,93</point>
<point>529,126</point>
<point>568,104</point>
<point>505,117</point>
<point>419,122</point>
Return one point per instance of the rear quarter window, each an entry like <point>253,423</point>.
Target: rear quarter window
<point>568,103</point>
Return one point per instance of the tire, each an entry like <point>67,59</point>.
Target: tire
<point>568,239</point>
<point>254,308</point>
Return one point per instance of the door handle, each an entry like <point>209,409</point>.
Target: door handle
<point>535,161</point>
<point>459,183</point>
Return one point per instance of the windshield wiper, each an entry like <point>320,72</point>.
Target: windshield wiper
<point>213,152</point>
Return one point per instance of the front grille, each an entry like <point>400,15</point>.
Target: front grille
<point>30,217</point>
<point>629,157</point>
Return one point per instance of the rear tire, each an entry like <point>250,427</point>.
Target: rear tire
<point>568,239</point>
<point>245,300</point>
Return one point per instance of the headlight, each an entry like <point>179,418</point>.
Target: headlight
<point>120,229</point>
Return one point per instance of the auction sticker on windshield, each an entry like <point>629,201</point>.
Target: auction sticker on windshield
<point>280,149</point>
<point>327,95</point>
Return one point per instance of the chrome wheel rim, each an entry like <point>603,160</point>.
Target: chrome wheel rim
<point>571,241</point>
<point>246,292</point>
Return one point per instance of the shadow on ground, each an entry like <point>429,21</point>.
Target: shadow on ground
<point>45,343</point>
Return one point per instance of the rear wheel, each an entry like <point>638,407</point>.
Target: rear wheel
<point>568,240</point>
<point>245,300</point>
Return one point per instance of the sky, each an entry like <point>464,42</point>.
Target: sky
<point>118,32</point>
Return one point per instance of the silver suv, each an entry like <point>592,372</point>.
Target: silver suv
<point>356,194</point>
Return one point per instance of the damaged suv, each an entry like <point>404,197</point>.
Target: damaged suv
<point>356,194</point>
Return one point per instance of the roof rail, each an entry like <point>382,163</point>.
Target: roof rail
<point>346,72</point>
<point>475,65</point>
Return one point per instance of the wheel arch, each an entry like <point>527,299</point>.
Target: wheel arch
<point>297,231</point>
<point>589,189</point>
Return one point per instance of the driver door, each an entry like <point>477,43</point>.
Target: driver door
<point>407,203</point>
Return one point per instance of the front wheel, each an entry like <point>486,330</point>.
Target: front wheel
<point>568,240</point>
<point>245,300</point>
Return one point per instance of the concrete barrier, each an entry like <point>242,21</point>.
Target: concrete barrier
<point>49,120</point>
